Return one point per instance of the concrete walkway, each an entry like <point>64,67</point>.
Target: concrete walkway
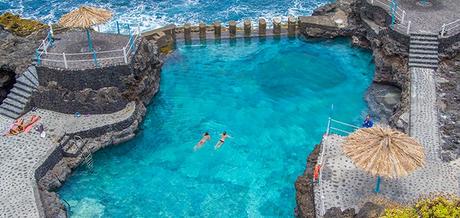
<point>430,18</point>
<point>423,111</point>
<point>21,155</point>
<point>344,185</point>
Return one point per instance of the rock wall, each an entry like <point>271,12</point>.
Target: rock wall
<point>304,186</point>
<point>100,90</point>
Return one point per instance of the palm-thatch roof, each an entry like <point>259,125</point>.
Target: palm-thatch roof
<point>85,17</point>
<point>384,152</point>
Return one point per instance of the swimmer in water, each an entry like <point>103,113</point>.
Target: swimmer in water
<point>203,140</point>
<point>222,140</point>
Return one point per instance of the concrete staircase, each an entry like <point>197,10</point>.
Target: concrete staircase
<point>423,50</point>
<point>16,101</point>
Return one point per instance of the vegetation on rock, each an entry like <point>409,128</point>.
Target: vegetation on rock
<point>437,206</point>
<point>20,26</point>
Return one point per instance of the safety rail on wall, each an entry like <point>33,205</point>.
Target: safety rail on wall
<point>398,15</point>
<point>335,126</point>
<point>450,28</point>
<point>95,58</point>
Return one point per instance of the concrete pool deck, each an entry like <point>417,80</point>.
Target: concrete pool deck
<point>23,154</point>
<point>345,186</point>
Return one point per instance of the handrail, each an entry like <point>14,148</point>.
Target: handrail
<point>321,159</point>
<point>62,58</point>
<point>447,27</point>
<point>400,14</point>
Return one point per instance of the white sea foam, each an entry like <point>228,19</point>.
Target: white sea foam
<point>151,15</point>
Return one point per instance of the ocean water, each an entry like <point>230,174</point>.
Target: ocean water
<point>155,13</point>
<point>273,97</point>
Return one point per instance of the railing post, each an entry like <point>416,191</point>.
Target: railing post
<point>408,27</point>
<point>44,46</point>
<point>51,28</point>
<point>124,55</point>
<point>403,16</point>
<point>328,125</point>
<point>38,56</point>
<point>118,28</point>
<point>443,30</point>
<point>138,28</point>
<point>65,60</point>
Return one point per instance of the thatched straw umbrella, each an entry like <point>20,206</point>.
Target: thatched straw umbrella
<point>86,17</point>
<point>385,152</point>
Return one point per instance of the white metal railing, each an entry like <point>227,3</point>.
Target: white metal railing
<point>67,59</point>
<point>448,28</point>
<point>401,22</point>
<point>332,125</point>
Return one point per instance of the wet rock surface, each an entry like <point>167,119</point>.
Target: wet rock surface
<point>382,100</point>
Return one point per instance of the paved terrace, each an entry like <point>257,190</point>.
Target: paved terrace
<point>20,155</point>
<point>346,186</point>
<point>108,47</point>
<point>431,18</point>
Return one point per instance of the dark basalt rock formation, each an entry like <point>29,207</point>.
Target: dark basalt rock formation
<point>448,101</point>
<point>17,53</point>
<point>304,186</point>
<point>7,80</point>
<point>100,90</point>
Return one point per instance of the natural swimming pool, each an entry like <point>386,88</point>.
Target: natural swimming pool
<point>273,97</point>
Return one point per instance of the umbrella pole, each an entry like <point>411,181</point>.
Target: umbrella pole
<point>377,186</point>
<point>90,44</point>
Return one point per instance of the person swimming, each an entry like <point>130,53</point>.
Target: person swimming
<point>222,140</point>
<point>203,140</point>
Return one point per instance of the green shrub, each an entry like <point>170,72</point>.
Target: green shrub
<point>442,207</point>
<point>400,213</point>
<point>433,207</point>
<point>19,26</point>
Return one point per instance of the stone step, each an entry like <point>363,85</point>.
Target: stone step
<point>20,92</point>
<point>424,56</point>
<point>423,60</point>
<point>19,105</point>
<point>424,34</point>
<point>419,65</point>
<point>421,51</point>
<point>418,42</point>
<point>18,98</point>
<point>9,114</point>
<point>424,38</point>
<point>23,80</point>
<point>11,108</point>
<point>29,76</point>
<point>424,47</point>
<point>25,88</point>
<point>33,71</point>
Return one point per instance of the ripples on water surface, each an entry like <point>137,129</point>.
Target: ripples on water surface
<point>157,13</point>
<point>272,97</point>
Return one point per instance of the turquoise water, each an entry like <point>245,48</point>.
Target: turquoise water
<point>272,97</point>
